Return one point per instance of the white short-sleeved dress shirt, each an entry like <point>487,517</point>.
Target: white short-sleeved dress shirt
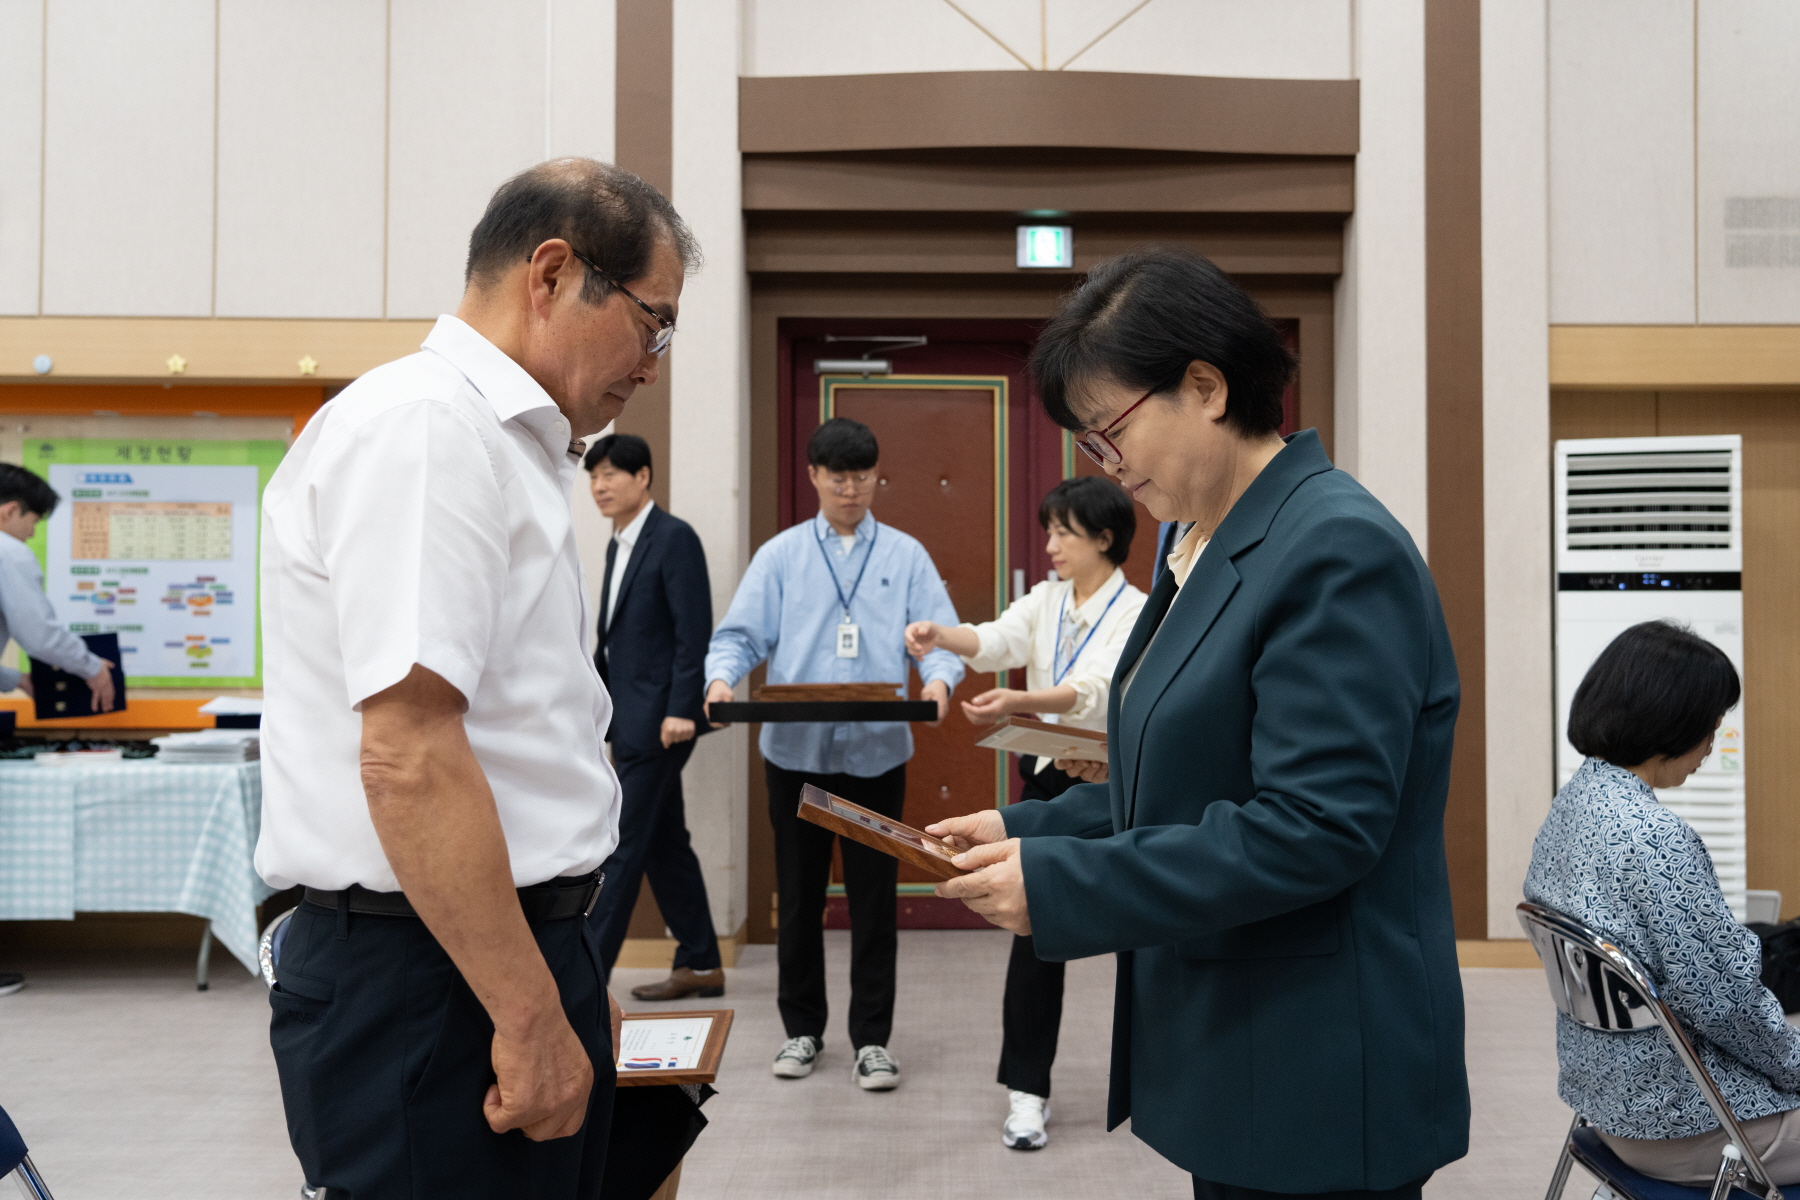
<point>423,517</point>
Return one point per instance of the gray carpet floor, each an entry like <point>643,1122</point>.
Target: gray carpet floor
<point>127,1082</point>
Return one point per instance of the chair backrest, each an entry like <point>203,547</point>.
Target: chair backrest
<point>1599,986</point>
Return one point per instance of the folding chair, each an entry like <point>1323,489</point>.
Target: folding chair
<point>1601,987</point>
<point>16,1164</point>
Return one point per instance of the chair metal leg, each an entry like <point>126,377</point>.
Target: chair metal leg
<point>1559,1179</point>
<point>205,962</point>
<point>1731,1168</point>
<point>31,1184</point>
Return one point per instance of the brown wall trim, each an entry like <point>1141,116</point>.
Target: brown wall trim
<point>1045,108</point>
<point>1454,509</point>
<point>911,243</point>
<point>1064,181</point>
<point>644,142</point>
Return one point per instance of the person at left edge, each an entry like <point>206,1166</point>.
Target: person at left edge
<point>655,618</point>
<point>25,612</point>
<point>828,601</point>
<point>432,765</point>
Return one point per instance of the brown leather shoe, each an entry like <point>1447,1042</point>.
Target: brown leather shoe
<point>683,982</point>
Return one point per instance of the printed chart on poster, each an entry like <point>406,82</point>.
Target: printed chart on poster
<point>157,542</point>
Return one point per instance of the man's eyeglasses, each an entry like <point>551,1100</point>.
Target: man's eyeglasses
<point>665,328</point>
<point>850,485</point>
<point>1097,446</point>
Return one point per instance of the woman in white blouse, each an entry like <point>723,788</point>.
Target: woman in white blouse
<point>1067,634</point>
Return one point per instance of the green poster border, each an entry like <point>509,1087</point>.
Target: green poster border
<point>41,454</point>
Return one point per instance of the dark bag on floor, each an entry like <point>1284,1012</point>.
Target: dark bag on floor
<point>1781,961</point>
<point>652,1130</point>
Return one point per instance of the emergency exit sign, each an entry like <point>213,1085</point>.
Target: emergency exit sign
<point>1046,246</point>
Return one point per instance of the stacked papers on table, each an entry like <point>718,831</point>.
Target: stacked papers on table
<point>209,746</point>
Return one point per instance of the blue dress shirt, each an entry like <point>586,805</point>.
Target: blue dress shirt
<point>787,611</point>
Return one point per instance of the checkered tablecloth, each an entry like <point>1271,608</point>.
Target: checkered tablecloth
<point>133,837</point>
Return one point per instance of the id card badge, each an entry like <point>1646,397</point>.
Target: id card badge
<point>849,640</point>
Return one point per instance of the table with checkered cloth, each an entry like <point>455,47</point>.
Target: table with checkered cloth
<point>136,836</point>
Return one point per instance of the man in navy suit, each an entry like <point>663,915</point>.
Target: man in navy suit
<point>655,622</point>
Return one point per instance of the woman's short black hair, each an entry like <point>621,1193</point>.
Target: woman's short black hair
<point>1658,690</point>
<point>625,451</point>
<point>29,489</point>
<point>1141,318</point>
<point>841,444</point>
<point>1091,505</point>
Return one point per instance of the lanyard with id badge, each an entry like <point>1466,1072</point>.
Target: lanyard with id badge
<point>849,637</point>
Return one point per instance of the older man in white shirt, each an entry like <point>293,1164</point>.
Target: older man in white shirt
<point>433,772</point>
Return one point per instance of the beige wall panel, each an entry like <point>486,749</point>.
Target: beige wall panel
<point>467,107</point>
<point>582,37</point>
<point>1602,414</point>
<point>21,143</point>
<point>128,187</point>
<point>1749,173</point>
<point>829,37</point>
<point>1621,162</point>
<point>1380,303</point>
<point>302,97</point>
<point>709,412</point>
<point>1515,446</point>
<point>1270,39</point>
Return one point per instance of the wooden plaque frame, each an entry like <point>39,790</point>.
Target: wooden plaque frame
<point>706,1072</point>
<point>881,833</point>
<point>1027,735</point>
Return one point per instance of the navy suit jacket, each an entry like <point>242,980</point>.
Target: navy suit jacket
<point>655,650</point>
<point>1267,856</point>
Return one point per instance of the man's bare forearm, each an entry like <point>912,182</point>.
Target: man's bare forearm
<point>434,813</point>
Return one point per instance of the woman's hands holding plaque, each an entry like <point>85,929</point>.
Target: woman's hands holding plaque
<point>995,885</point>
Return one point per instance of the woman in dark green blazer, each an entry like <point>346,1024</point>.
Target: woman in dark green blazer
<point>1266,854</point>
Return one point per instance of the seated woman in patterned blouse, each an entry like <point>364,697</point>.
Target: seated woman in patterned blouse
<point>1612,856</point>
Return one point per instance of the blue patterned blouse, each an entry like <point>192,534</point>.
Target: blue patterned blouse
<point>1611,855</point>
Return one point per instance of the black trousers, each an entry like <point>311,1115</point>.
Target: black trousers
<point>802,872</point>
<point>1207,1190</point>
<point>385,1057</point>
<point>653,842</point>
<point>1031,1012</point>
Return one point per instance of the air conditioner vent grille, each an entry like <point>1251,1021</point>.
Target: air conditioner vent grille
<point>1650,500</point>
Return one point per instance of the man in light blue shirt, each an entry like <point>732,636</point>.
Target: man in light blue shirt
<point>828,601</point>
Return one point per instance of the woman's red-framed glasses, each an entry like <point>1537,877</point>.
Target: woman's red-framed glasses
<point>1097,446</point>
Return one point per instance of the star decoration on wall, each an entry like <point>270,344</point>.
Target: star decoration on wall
<point>309,365</point>
<point>177,365</point>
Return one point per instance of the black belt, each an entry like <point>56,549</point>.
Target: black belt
<point>553,900</point>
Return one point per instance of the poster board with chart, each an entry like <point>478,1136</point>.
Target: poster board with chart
<point>156,540</point>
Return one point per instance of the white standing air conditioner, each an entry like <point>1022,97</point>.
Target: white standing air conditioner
<point>1651,528</point>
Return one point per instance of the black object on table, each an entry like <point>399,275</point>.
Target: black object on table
<point>57,694</point>
<point>834,711</point>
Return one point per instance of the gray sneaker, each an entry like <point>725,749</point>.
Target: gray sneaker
<point>796,1057</point>
<point>876,1070</point>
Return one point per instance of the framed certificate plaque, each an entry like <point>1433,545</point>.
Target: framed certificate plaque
<point>885,834</point>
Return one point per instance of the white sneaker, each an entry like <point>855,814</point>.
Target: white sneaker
<point>1024,1128</point>
<point>796,1057</point>
<point>875,1070</point>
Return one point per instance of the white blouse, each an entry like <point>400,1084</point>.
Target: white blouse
<point>1027,635</point>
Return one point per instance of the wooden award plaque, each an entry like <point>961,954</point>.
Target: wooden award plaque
<point>693,1040</point>
<point>829,691</point>
<point>1026,735</point>
<point>881,833</point>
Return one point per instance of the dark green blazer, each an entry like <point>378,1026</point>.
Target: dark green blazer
<point>1267,857</point>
